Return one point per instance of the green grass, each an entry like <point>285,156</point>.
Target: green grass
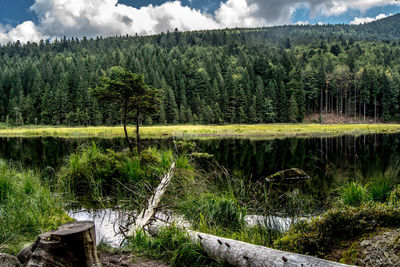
<point>171,245</point>
<point>27,208</point>
<point>210,210</point>
<point>258,131</point>
<point>354,194</point>
<point>380,189</point>
<point>95,174</point>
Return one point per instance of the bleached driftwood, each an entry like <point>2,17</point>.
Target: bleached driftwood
<point>148,211</point>
<point>237,253</point>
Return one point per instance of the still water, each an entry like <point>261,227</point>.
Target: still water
<point>362,157</point>
<point>330,162</point>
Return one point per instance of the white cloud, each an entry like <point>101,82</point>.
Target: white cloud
<point>107,17</point>
<point>26,31</point>
<point>358,20</point>
<point>337,7</point>
<point>300,22</point>
<point>238,13</point>
<point>78,18</point>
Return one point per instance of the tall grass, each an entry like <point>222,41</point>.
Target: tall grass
<point>210,210</point>
<point>354,194</point>
<point>95,174</point>
<point>173,246</point>
<point>380,190</point>
<point>27,208</point>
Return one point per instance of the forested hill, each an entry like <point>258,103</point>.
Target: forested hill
<point>276,74</point>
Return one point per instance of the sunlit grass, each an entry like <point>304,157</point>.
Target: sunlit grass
<point>27,208</point>
<point>261,131</point>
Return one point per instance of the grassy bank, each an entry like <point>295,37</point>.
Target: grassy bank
<point>27,208</point>
<point>361,211</point>
<point>260,131</point>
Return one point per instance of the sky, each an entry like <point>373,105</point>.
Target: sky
<point>33,20</point>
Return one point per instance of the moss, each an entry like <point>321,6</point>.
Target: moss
<point>321,234</point>
<point>289,174</point>
<point>199,155</point>
<point>351,255</point>
<point>394,197</point>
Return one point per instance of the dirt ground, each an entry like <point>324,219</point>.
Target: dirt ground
<point>123,259</point>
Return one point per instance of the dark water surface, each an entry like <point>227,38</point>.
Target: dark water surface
<point>329,161</point>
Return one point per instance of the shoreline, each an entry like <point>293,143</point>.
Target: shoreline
<point>248,131</point>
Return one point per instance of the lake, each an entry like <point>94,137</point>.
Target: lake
<point>330,161</point>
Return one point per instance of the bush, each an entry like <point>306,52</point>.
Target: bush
<point>171,245</point>
<point>318,236</point>
<point>214,211</point>
<point>353,194</point>
<point>27,208</point>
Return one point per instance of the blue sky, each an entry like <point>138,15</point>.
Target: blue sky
<point>32,20</point>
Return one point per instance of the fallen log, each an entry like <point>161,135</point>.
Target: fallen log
<point>241,254</point>
<point>293,174</point>
<point>148,211</point>
<point>72,244</point>
<point>233,252</point>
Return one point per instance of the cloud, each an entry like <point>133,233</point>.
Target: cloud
<point>78,18</point>
<point>239,13</point>
<point>358,20</point>
<point>248,13</point>
<point>337,7</point>
<point>302,23</point>
<point>26,31</point>
<point>107,17</point>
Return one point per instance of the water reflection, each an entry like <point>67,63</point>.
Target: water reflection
<point>107,224</point>
<point>329,161</point>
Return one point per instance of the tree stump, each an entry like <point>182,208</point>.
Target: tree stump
<point>71,245</point>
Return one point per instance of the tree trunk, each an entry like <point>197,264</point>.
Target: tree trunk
<point>237,253</point>
<point>137,130</point>
<point>364,110</point>
<point>148,211</point>
<point>72,244</point>
<point>125,122</point>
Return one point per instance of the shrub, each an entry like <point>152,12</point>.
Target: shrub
<point>354,194</point>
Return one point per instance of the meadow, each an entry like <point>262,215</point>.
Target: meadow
<point>255,131</point>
